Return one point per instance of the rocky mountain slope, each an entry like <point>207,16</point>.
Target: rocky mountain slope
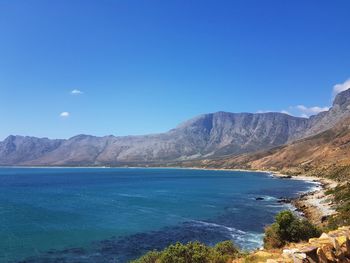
<point>326,154</point>
<point>327,119</point>
<point>207,136</point>
<point>17,149</point>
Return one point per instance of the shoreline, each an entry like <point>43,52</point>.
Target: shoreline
<point>313,204</point>
<point>316,205</point>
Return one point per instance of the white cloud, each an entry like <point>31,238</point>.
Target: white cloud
<point>263,111</point>
<point>64,114</point>
<point>303,111</point>
<point>341,87</point>
<point>76,92</point>
<point>267,111</point>
<point>286,112</point>
<point>311,110</point>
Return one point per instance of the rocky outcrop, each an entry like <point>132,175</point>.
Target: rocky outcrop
<point>331,247</point>
<point>326,120</point>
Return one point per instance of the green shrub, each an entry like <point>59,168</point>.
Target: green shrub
<point>272,238</point>
<point>288,228</point>
<point>224,252</point>
<point>192,252</point>
<point>341,195</point>
<point>226,248</point>
<point>150,257</point>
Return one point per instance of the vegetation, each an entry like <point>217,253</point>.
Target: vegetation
<point>288,228</point>
<point>192,252</point>
<point>341,195</point>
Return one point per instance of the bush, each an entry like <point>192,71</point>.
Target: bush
<point>192,252</point>
<point>272,239</point>
<point>226,248</point>
<point>150,257</point>
<point>288,228</point>
<point>341,195</point>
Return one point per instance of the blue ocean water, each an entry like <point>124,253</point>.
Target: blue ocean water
<point>118,214</point>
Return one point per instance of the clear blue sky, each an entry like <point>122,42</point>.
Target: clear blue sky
<point>145,66</point>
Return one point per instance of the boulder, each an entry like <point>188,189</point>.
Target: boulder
<point>310,252</point>
<point>329,253</point>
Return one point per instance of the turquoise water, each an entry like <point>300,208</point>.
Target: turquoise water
<point>114,215</point>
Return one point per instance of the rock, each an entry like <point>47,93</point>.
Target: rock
<point>299,257</point>
<point>324,218</point>
<point>313,240</point>
<point>333,247</point>
<point>324,235</point>
<point>284,200</point>
<point>310,252</point>
<point>321,256</point>
<point>346,228</point>
<point>285,177</point>
<point>343,244</point>
<point>329,253</point>
<point>341,240</point>
<point>289,252</point>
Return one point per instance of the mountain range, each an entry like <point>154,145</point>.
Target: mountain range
<point>326,154</point>
<point>220,135</point>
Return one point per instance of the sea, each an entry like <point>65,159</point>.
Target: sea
<point>118,214</point>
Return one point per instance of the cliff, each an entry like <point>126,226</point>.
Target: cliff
<point>326,154</point>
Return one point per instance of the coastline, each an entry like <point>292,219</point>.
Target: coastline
<point>314,204</point>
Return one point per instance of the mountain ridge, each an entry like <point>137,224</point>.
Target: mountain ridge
<point>212,135</point>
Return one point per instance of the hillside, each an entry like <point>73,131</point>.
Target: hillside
<point>325,154</point>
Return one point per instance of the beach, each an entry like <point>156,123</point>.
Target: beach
<point>315,205</point>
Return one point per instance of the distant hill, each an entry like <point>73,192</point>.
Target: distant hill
<point>208,136</point>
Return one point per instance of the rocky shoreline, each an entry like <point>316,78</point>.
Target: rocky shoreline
<point>315,205</point>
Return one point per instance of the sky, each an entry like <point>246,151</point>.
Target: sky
<point>128,67</point>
